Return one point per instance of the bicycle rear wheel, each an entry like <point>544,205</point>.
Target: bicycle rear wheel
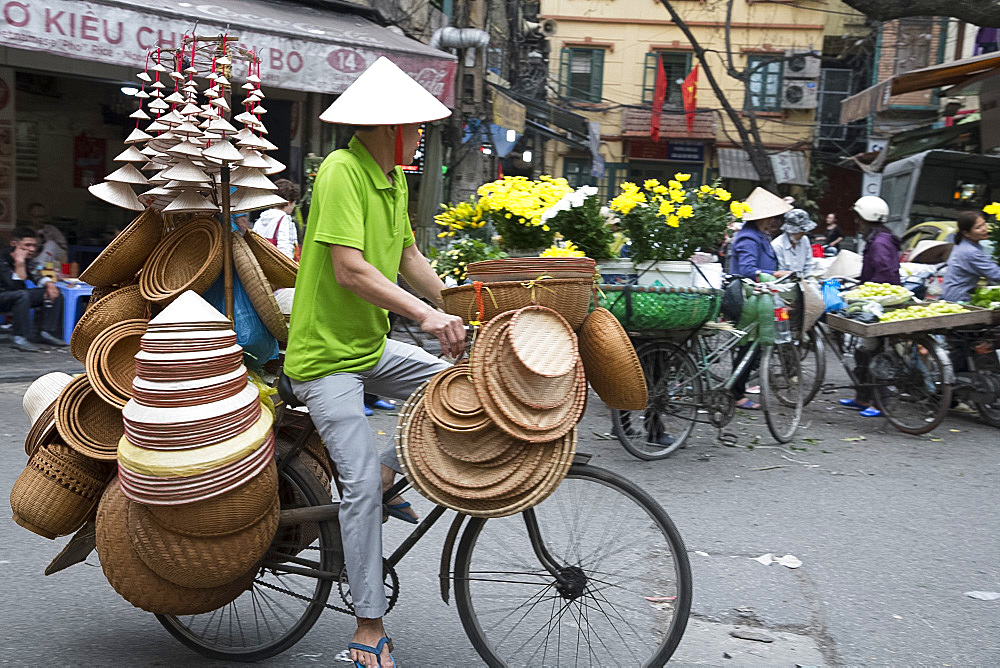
<point>280,607</point>
<point>674,396</point>
<point>782,390</point>
<point>626,594</point>
<point>988,365</point>
<point>913,392</point>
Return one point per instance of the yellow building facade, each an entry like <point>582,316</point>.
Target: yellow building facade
<point>603,61</point>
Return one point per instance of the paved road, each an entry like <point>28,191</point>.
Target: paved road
<point>891,531</point>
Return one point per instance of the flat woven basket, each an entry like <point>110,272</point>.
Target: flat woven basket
<point>612,366</point>
<point>87,423</point>
<point>124,304</point>
<point>189,258</point>
<point>57,491</point>
<point>139,585</point>
<point>640,308</point>
<point>124,257</point>
<point>279,269</point>
<point>569,297</point>
<point>111,360</point>
<point>258,289</point>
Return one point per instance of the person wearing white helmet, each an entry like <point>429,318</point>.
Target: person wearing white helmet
<point>879,265</point>
<point>357,240</point>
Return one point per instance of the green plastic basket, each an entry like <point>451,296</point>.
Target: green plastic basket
<point>641,308</point>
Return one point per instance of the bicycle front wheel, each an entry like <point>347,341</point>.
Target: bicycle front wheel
<point>625,594</point>
<point>782,390</point>
<point>674,396</point>
<point>912,393</point>
<point>280,607</point>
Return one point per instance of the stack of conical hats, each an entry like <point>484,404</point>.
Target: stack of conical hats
<point>182,147</point>
<point>196,504</point>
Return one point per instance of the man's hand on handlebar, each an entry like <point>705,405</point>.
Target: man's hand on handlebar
<point>448,329</point>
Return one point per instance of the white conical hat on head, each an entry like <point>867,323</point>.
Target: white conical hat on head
<point>765,204</point>
<point>384,95</point>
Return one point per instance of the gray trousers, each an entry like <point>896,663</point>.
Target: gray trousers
<point>336,406</point>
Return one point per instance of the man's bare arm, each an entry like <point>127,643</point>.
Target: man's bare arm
<point>420,275</point>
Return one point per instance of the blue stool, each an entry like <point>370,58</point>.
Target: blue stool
<point>72,307</point>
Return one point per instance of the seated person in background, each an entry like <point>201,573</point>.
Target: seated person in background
<point>833,234</point>
<point>967,262</point>
<point>16,267</point>
<point>52,246</point>
<point>792,248</point>
<point>276,224</point>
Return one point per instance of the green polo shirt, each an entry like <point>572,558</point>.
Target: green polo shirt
<point>353,204</point>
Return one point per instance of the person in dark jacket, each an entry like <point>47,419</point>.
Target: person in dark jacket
<point>880,265</point>
<point>881,256</point>
<point>17,267</point>
<point>752,255</point>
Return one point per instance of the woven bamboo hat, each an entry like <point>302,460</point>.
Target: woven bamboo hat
<point>87,423</point>
<point>111,360</point>
<point>43,392</point>
<point>611,363</point>
<point>42,432</point>
<point>765,204</point>
<point>124,257</point>
<point>384,95</point>
<point>189,258</point>
<point>124,304</point>
<point>258,289</point>
<point>136,582</point>
<point>57,491</point>
<point>279,269</point>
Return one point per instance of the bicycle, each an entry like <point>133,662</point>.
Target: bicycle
<point>683,388</point>
<point>563,582</point>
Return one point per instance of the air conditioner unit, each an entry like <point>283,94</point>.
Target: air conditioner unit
<point>801,65</point>
<point>799,94</point>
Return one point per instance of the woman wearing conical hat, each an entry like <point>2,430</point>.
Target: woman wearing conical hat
<point>357,240</point>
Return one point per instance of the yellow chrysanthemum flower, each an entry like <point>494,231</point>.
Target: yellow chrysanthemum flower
<point>705,189</point>
<point>660,189</point>
<point>685,211</point>
<point>666,208</point>
<point>722,195</point>
<point>738,209</point>
<point>681,176</point>
<point>675,185</point>
<point>650,184</point>
<point>677,196</point>
<point>673,221</point>
<point>992,209</point>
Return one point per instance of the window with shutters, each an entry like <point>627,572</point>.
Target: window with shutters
<point>764,85</point>
<point>913,43</point>
<point>576,171</point>
<point>581,72</point>
<point>676,66</point>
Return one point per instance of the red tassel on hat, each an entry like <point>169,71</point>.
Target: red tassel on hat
<point>399,144</point>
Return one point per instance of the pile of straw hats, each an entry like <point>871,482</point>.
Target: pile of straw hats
<point>496,435</point>
<point>60,487</point>
<point>195,506</point>
<point>177,157</point>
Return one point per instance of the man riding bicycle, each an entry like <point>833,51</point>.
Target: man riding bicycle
<point>357,240</point>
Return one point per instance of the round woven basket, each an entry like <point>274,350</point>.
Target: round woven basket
<point>125,304</point>
<point>111,361</point>
<point>452,403</point>
<point>189,258</point>
<point>42,432</point>
<point>279,269</point>
<point>570,297</point>
<point>533,490</point>
<point>612,366</point>
<point>258,289</point>
<point>139,585</point>
<point>528,388</point>
<point>57,491</point>
<point>87,423</point>
<point>223,515</point>
<point>542,341</point>
<point>124,256</point>
<point>200,563</point>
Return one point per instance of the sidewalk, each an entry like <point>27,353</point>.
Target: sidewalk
<point>19,367</point>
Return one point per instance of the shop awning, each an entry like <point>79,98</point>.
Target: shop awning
<point>788,166</point>
<point>876,98</point>
<point>302,48</point>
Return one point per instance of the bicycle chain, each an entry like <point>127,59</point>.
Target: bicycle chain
<point>302,597</point>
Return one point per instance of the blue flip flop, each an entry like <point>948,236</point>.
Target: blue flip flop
<point>852,403</point>
<point>870,411</point>
<point>376,650</point>
<point>396,510</point>
<point>369,412</point>
<point>382,405</point>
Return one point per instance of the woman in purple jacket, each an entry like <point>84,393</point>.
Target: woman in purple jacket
<point>880,265</point>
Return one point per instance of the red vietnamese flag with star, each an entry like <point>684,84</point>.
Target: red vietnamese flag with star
<point>659,95</point>
<point>689,94</point>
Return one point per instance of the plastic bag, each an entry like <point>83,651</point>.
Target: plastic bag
<point>832,300</point>
<point>259,346</point>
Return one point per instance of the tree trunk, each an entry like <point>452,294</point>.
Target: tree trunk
<point>977,12</point>
<point>751,144</point>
